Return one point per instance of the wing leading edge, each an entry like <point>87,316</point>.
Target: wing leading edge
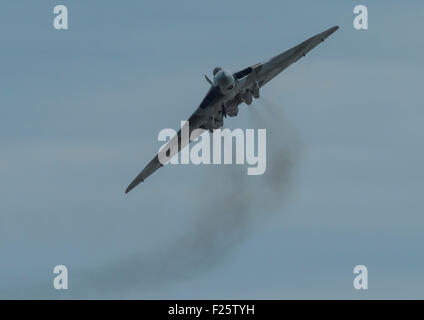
<point>265,71</point>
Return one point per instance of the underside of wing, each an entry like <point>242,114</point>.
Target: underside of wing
<point>184,136</point>
<point>262,73</point>
<point>147,171</point>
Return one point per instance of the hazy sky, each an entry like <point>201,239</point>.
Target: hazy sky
<point>80,114</point>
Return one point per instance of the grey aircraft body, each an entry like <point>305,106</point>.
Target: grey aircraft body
<point>229,90</point>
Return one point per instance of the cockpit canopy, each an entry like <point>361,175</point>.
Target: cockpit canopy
<point>215,71</point>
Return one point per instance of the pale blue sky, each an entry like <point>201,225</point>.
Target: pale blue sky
<point>80,114</point>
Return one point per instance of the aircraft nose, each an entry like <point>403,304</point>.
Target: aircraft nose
<point>223,79</point>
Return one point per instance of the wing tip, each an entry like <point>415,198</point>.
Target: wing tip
<point>328,32</point>
<point>133,185</point>
<point>331,30</point>
<point>334,29</point>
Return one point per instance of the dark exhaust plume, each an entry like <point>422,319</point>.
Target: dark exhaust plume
<point>231,206</point>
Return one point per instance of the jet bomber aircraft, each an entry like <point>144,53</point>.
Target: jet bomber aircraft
<point>228,90</point>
